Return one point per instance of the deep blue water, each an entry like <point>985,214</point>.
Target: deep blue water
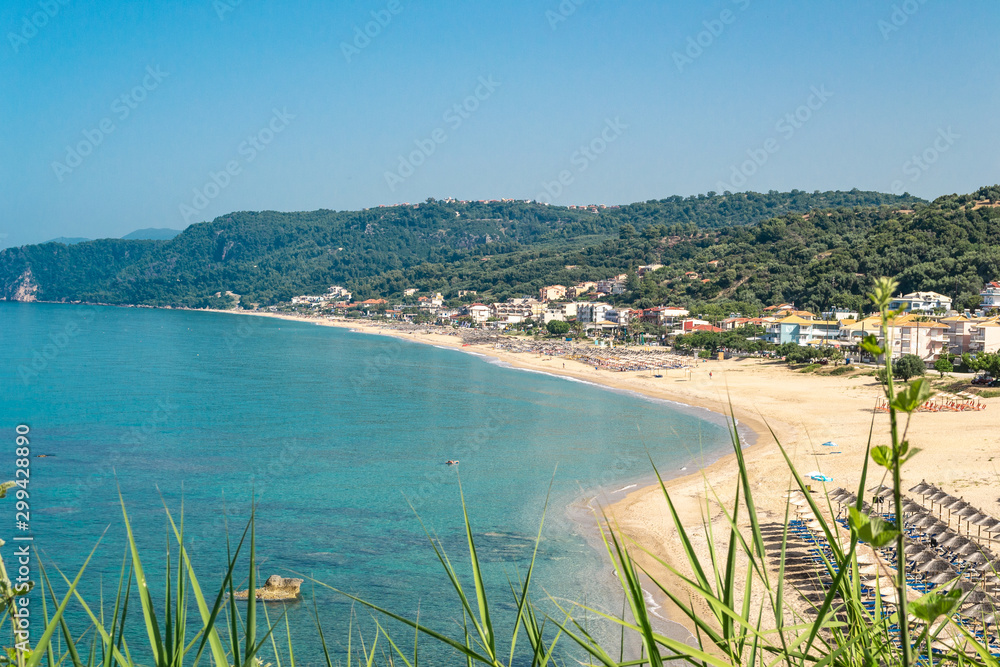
<point>334,434</point>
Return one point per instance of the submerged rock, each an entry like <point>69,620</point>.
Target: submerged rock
<point>275,588</point>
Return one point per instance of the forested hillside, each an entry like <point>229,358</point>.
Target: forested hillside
<point>764,246</point>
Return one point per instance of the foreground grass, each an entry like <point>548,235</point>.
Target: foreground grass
<point>742,584</point>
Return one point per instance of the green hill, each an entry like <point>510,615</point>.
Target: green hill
<point>764,245</point>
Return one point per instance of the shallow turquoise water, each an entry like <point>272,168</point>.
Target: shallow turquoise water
<point>334,434</point>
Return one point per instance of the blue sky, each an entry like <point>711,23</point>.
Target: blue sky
<point>119,116</point>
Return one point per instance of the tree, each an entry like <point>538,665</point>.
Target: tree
<point>943,365</point>
<point>909,366</point>
<point>557,327</point>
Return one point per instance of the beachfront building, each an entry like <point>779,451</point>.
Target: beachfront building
<point>593,312</point>
<point>552,293</point>
<point>990,295</point>
<point>622,316</point>
<point>924,339</point>
<point>985,337</point>
<point>559,311</point>
<point>664,316</point>
<point>802,331</point>
<point>924,302</point>
<point>511,312</point>
<point>479,313</point>
<point>959,333</point>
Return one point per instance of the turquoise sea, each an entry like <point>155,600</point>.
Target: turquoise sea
<point>335,435</point>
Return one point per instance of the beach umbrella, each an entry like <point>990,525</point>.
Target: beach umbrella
<point>963,586</point>
<point>970,549</point>
<point>954,541</point>
<point>950,500</point>
<point>910,506</point>
<point>935,566</point>
<point>990,526</point>
<point>938,496</point>
<point>977,558</point>
<point>990,568</point>
<point>967,511</point>
<point>977,598</point>
<point>866,557</point>
<point>923,556</point>
<point>926,521</point>
<point>921,488</point>
<point>943,577</point>
<point>985,520</point>
<point>913,548</point>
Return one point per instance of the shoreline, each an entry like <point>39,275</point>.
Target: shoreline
<point>775,404</point>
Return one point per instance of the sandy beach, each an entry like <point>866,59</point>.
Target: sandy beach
<point>800,410</point>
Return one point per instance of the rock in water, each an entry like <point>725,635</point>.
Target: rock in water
<point>275,588</point>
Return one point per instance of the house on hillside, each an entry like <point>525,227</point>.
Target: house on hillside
<point>924,302</point>
<point>552,293</point>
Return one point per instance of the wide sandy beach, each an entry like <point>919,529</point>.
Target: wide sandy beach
<point>800,410</point>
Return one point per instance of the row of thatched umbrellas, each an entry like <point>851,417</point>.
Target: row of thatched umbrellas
<point>959,508</point>
<point>929,563</point>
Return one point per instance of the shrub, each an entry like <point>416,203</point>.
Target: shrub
<point>908,366</point>
<point>557,327</point>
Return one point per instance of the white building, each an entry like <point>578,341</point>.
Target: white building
<point>593,312</point>
<point>479,313</point>
<point>921,301</point>
<point>991,296</point>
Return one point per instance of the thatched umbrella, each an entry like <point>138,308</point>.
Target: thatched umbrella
<point>977,598</point>
<point>935,566</point>
<point>981,521</point>
<point>943,577</point>
<point>921,488</point>
<point>978,558</point>
<point>990,567</point>
<point>938,497</point>
<point>866,557</point>
<point>954,542</point>
<point>913,548</point>
<point>923,556</point>
<point>971,549</point>
<point>926,521</point>
<point>910,506</point>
